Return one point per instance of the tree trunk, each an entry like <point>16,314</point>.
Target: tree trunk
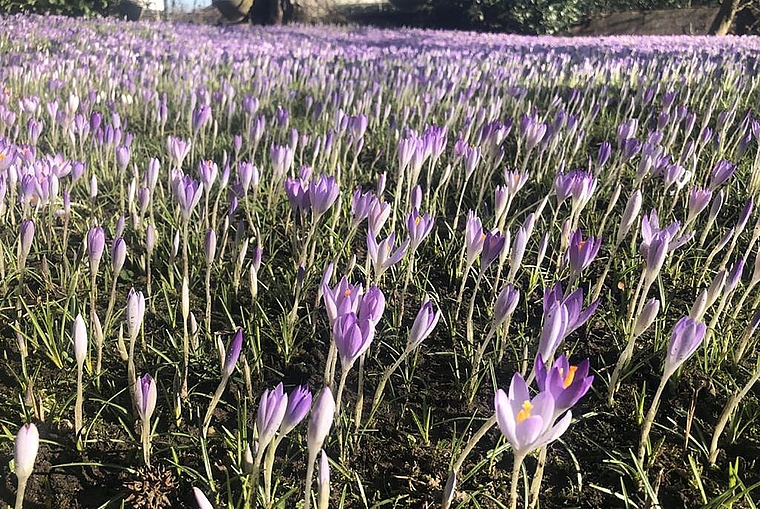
<point>725,17</point>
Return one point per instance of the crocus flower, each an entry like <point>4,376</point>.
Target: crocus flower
<point>209,246</point>
<point>552,330</point>
<point>145,397</point>
<point>581,252</point>
<point>352,338</point>
<point>272,406</point>
<point>96,241</point>
<point>233,353</point>
<point>699,198</point>
<point>122,157</point>
<point>361,205</point>
<point>201,500</point>
<point>297,191</point>
<point>378,215</point>
<point>80,339</point>
<point>135,312</point>
<point>323,192</point>
<point>25,451</point>
<point>647,317</point>
<point>493,244</point>
<point>118,255</point>
<point>344,298</point>
<point>372,305</point>
<point>321,420</point>
<point>686,337</point>
<point>473,237</point>
<point>424,323</point>
<point>299,404</point>
<point>382,254</point>
<point>188,193</point>
<point>27,230</point>
<point>419,227</point>
<point>527,423</point>
<point>721,172</point>
<point>567,384</point>
<point>505,305</point>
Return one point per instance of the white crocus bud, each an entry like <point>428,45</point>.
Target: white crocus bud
<point>80,340</point>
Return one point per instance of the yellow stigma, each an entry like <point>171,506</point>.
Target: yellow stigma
<point>417,221</point>
<point>347,293</point>
<point>568,380</point>
<point>525,412</point>
<point>581,244</point>
<point>482,236</point>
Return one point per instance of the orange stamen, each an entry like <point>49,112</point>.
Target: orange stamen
<point>525,412</point>
<point>568,380</point>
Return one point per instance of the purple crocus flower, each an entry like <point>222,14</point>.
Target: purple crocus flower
<point>473,237</point>
<point>320,421</point>
<point>233,353</point>
<point>419,227</point>
<point>297,191</point>
<point>145,396</point>
<point>343,299</point>
<point>527,423</point>
<point>122,157</point>
<point>188,193</point>
<point>650,228</point>
<point>372,305</point>
<point>382,253</point>
<point>322,192</point>
<point>299,404</point>
<point>118,255</point>
<point>686,337</point>
<point>581,252</point>
<point>721,172</point>
<point>352,338</point>
<point>378,214</point>
<point>553,330</point>
<point>27,230</point>
<point>178,149</point>
<point>424,323</point>
<point>505,305</point>
<point>361,204</point>
<point>272,406</point>
<point>493,244</point>
<point>96,242</point>
<point>209,246</point>
<point>567,384</point>
<point>699,198</point>
<point>208,170</point>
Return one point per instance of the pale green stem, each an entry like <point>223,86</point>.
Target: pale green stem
<point>515,480</point>
<point>214,401</point>
<point>646,426</point>
<point>386,376</point>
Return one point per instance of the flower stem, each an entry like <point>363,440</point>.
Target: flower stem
<point>649,420</point>
<point>515,481</point>
<point>214,402</point>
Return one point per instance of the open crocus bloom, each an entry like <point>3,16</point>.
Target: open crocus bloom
<point>527,423</point>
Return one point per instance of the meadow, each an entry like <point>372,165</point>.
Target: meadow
<point>359,268</point>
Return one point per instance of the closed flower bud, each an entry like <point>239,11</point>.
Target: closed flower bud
<point>647,317</point>
<point>716,287</point>
<point>201,499</point>
<point>424,323</point>
<point>80,340</point>
<point>25,451</point>
<point>321,421</point>
<point>118,255</point>
<point>631,213</point>
<point>209,246</point>
<point>700,305</point>
<point>135,312</point>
